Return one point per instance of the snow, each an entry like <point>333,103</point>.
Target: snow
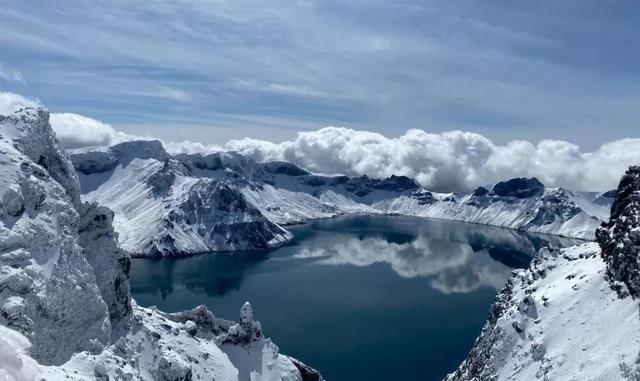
<point>155,208</point>
<point>159,348</point>
<point>560,320</point>
<point>506,212</point>
<point>15,363</point>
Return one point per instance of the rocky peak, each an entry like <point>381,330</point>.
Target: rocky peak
<point>32,135</point>
<point>246,330</point>
<point>519,187</point>
<point>619,238</point>
<point>480,191</point>
<point>285,168</point>
<point>140,149</point>
<point>101,159</point>
<point>229,161</point>
<point>89,162</point>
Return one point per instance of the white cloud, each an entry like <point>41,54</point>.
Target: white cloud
<point>188,146</point>
<point>448,161</point>
<point>11,75</point>
<point>74,131</point>
<point>10,102</point>
<point>295,90</point>
<point>170,93</point>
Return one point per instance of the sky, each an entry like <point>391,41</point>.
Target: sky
<point>214,70</point>
<point>454,94</point>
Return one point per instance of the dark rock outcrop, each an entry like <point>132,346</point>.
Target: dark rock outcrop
<point>94,162</point>
<point>619,238</point>
<point>110,264</point>
<point>285,168</point>
<point>519,187</point>
<point>480,191</point>
<point>221,216</point>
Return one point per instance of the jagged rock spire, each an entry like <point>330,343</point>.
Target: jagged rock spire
<point>619,238</point>
<point>246,330</point>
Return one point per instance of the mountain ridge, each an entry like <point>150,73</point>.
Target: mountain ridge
<point>275,194</point>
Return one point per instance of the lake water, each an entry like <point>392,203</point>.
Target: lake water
<point>357,297</point>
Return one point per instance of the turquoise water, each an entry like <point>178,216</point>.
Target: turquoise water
<point>357,297</point>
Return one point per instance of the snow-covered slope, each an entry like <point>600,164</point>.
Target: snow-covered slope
<point>161,208</point>
<point>547,210</point>
<point>185,204</point>
<point>64,294</point>
<point>571,315</point>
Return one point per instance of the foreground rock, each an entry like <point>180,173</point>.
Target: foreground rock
<point>65,308</point>
<point>620,237</point>
<point>573,314</point>
<point>187,204</point>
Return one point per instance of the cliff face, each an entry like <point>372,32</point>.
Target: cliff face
<point>48,288</point>
<point>569,316</point>
<point>619,238</point>
<point>162,208</point>
<point>64,291</point>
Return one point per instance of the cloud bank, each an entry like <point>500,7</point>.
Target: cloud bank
<point>75,131</point>
<point>449,161</point>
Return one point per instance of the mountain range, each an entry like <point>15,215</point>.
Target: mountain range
<point>192,203</point>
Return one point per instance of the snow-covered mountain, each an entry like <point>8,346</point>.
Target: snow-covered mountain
<point>196,203</point>
<point>64,293</point>
<point>162,208</point>
<point>573,315</point>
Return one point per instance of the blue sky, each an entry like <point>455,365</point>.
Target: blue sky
<point>214,70</point>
